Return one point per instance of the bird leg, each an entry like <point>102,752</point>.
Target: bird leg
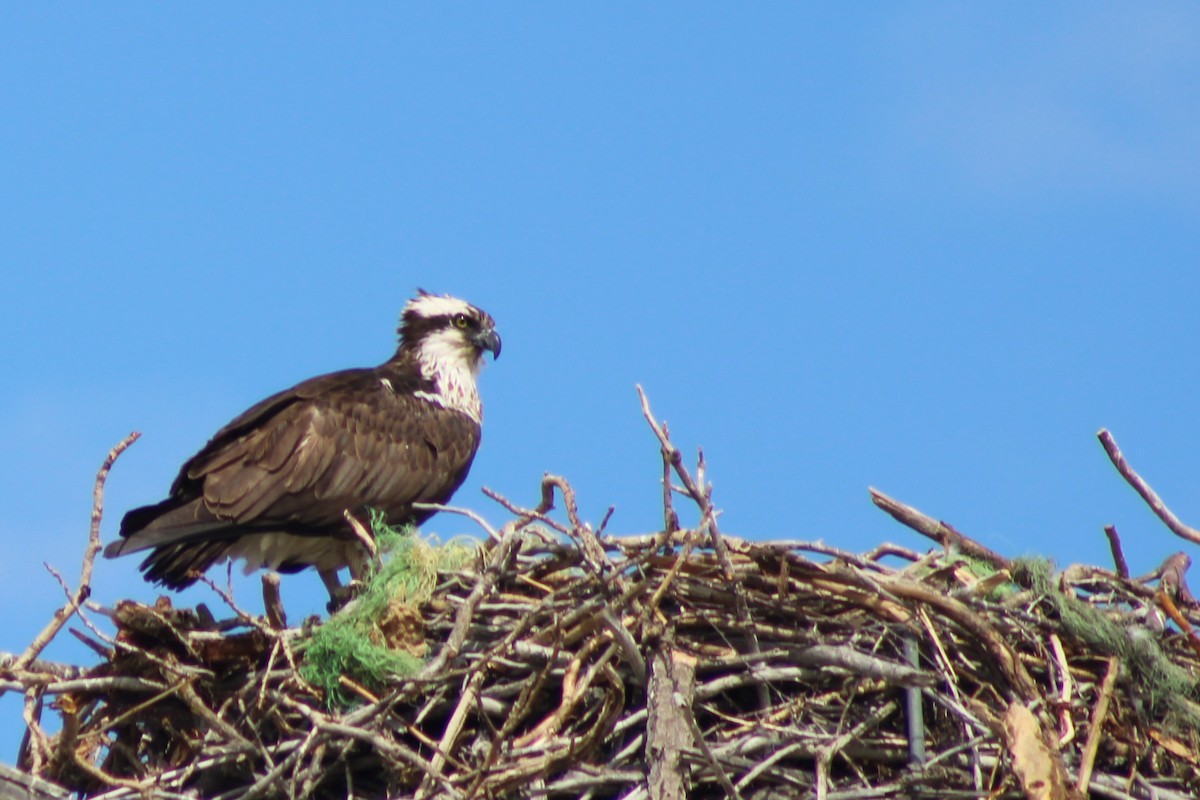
<point>358,559</point>
<point>338,595</point>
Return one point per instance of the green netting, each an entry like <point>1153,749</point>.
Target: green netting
<point>1166,686</point>
<point>350,643</point>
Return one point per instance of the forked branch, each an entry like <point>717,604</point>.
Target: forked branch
<point>84,590</point>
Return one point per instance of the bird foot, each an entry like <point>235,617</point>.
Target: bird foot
<point>342,596</point>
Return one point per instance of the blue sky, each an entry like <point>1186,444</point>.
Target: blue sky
<point>926,247</point>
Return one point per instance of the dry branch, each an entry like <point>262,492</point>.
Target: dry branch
<point>1142,488</point>
<point>941,532</point>
<point>1118,552</point>
<point>84,590</point>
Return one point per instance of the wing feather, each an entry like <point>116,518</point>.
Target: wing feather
<point>345,450</point>
<point>296,462</point>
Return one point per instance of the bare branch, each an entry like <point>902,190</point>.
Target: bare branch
<point>1142,488</point>
<point>1114,543</point>
<point>941,532</point>
<point>84,589</point>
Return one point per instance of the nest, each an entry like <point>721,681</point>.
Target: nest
<point>558,661</point>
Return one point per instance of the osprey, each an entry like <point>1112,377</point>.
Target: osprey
<point>283,484</point>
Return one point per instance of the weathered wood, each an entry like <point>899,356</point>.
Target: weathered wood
<point>668,731</point>
<point>17,785</point>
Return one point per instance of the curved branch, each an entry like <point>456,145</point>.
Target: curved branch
<point>1141,487</point>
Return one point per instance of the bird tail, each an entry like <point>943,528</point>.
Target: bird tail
<point>184,540</point>
<point>178,566</point>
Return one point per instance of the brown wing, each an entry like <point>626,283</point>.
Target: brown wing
<point>297,460</point>
<point>362,446</point>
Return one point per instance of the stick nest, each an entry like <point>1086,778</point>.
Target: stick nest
<point>557,661</point>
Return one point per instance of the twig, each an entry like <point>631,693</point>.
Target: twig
<point>375,740</point>
<point>1006,660</point>
<point>35,746</point>
<point>1168,606</point>
<point>1066,727</point>
<point>462,621</point>
<point>851,660</point>
<point>363,536</point>
<point>827,752</point>
<point>1099,714</point>
<point>465,512</point>
<point>453,729</point>
<point>39,667</point>
<point>1142,488</point>
<point>941,532</point>
<point>670,517</point>
<point>1173,577</point>
<point>273,602</point>
<point>701,495</point>
<point>1118,553</point>
<point>89,556</point>
<point>702,745</point>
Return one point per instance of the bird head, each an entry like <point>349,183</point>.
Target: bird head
<point>438,328</point>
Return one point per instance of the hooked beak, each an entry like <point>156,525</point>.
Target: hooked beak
<point>489,340</point>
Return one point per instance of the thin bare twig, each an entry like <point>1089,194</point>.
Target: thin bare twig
<point>84,589</point>
<point>1099,714</point>
<point>941,532</point>
<point>701,495</point>
<point>1142,488</point>
<point>1118,553</point>
<point>273,601</point>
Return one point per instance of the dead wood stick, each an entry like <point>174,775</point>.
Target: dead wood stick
<point>858,663</point>
<point>670,518</point>
<point>1065,725</point>
<point>373,739</point>
<point>826,753</point>
<point>35,744</point>
<point>701,495</point>
<point>273,602</point>
<point>589,543</point>
<point>274,775</point>
<point>453,728</point>
<point>630,653</point>
<point>1012,667</point>
<point>465,512</point>
<point>1173,577</point>
<point>1099,714</point>
<point>17,784</point>
<point>941,532</point>
<point>42,668</point>
<point>670,695</point>
<point>483,586</point>
<point>1142,488</point>
<point>1036,762</point>
<point>1118,553</point>
<point>89,557</point>
<point>187,693</point>
<point>702,745</point>
<point>1171,610</point>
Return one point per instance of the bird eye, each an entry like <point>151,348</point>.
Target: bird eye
<point>461,321</point>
